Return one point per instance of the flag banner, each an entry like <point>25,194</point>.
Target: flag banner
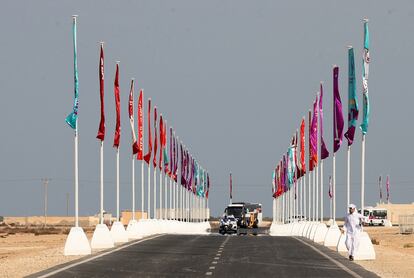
<point>183,165</point>
<point>205,184</point>
<point>154,160</point>
<point>365,73</point>
<point>309,142</point>
<point>302,147</point>
<point>187,170</point>
<point>118,108</point>
<point>274,183</point>
<point>298,166</point>
<point>291,163</point>
<point>175,159</point>
<point>160,164</point>
<point>338,118</point>
<point>164,138</point>
<point>380,187</point>
<point>147,157</point>
<point>101,130</point>
<point>285,176</point>
<point>388,188</point>
<point>208,185</point>
<point>140,155</point>
<point>171,170</point>
<point>72,118</point>
<point>231,187</point>
<point>324,149</point>
<point>353,110</point>
<point>135,147</point>
<point>313,136</point>
<point>330,192</point>
<point>191,179</point>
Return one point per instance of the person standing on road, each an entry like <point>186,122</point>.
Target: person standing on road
<point>352,227</point>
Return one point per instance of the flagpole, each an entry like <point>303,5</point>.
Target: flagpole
<point>117,187</point>
<point>155,190</point>
<point>161,208</point>
<point>348,177</point>
<point>318,141</point>
<point>133,185</point>
<point>362,174</point>
<point>76,174</point>
<point>321,190</point>
<point>101,183</point>
<point>333,188</point>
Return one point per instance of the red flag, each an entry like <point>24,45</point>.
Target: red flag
<point>140,154</point>
<point>147,157</point>
<point>154,160</point>
<point>161,141</point>
<point>131,117</point>
<point>118,108</point>
<point>101,131</point>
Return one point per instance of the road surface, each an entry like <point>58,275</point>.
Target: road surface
<point>213,256</point>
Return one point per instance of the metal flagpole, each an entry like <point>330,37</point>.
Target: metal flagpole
<point>155,191</point>
<point>166,197</point>
<point>117,186</point>
<point>149,190</point>
<point>76,173</point>
<point>348,178</point>
<point>161,208</point>
<point>101,201</point>
<point>362,174</point>
<point>321,190</point>
<point>333,189</point>
<point>133,186</point>
<point>142,161</point>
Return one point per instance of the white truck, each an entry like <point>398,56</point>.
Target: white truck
<point>375,216</point>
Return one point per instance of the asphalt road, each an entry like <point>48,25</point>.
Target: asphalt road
<point>214,256</point>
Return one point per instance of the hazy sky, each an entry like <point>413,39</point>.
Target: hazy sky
<point>234,78</point>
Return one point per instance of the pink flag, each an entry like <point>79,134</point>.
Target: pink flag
<point>140,154</point>
<point>131,117</point>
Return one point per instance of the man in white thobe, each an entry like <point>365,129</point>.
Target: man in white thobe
<point>352,226</point>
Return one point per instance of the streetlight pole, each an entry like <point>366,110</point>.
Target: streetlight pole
<point>45,184</point>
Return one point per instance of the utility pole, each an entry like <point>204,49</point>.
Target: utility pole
<point>67,204</point>
<point>45,184</point>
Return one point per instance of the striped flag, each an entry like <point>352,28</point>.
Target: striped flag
<point>154,160</point>
<point>353,110</point>
<point>338,118</point>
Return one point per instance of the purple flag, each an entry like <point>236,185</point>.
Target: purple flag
<point>324,150</point>
<point>338,118</point>
<point>388,188</point>
<point>313,135</point>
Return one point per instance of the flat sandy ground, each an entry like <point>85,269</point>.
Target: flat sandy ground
<point>25,253</point>
<point>394,253</point>
<point>22,254</point>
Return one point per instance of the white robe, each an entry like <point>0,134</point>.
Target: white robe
<point>353,227</point>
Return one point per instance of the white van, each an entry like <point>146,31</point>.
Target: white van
<point>375,216</point>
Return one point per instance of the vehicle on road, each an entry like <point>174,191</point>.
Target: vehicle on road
<point>248,215</point>
<point>375,216</point>
<point>228,225</point>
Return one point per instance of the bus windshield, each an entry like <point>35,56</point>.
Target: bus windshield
<point>235,211</point>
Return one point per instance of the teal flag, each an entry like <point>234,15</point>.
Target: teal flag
<point>365,73</point>
<point>353,109</point>
<point>291,165</point>
<point>72,118</point>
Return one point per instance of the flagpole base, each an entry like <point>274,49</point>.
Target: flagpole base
<point>102,238</point>
<point>365,250</point>
<point>77,243</point>
<point>133,230</point>
<point>332,236</point>
<point>320,233</point>
<point>118,232</point>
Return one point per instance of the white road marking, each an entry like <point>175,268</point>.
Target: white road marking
<point>97,256</point>
<point>352,273</point>
<point>209,273</point>
<point>214,262</point>
<point>212,267</point>
<point>216,258</point>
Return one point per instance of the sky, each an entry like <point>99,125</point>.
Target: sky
<point>233,78</point>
